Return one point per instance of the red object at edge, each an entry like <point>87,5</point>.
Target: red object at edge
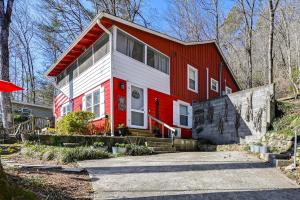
<point>8,86</point>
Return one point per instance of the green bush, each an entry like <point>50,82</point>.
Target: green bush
<point>137,150</point>
<point>18,118</point>
<point>74,123</point>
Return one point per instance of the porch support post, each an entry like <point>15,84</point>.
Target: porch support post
<point>150,124</point>
<point>207,84</point>
<point>111,78</point>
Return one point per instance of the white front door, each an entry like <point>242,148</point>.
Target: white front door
<point>136,106</point>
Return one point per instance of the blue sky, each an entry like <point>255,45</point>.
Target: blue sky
<point>161,7</point>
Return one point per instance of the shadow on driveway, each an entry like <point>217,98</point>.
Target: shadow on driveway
<point>177,168</point>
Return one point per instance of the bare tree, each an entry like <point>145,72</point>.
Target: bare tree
<point>248,9</point>
<point>5,20</point>
<point>273,4</point>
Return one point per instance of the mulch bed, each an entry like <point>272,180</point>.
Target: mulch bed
<point>51,184</point>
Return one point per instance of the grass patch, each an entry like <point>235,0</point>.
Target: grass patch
<point>286,119</point>
<point>63,154</point>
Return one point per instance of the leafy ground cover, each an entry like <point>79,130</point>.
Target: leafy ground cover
<point>63,154</point>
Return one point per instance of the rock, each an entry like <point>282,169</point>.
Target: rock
<point>290,167</point>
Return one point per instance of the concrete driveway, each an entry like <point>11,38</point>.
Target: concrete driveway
<point>195,175</point>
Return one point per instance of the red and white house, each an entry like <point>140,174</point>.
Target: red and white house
<point>125,71</point>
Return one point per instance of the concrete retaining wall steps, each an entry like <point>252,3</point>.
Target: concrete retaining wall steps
<point>51,139</point>
<point>241,117</point>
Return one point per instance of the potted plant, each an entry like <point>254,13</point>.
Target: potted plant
<point>119,148</point>
<point>156,131</point>
<point>121,129</point>
<point>100,146</point>
<point>263,149</point>
<point>256,148</point>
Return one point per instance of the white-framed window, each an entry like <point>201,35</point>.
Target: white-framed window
<point>94,102</point>
<point>66,108</point>
<point>182,114</point>
<point>130,46</point>
<point>157,60</point>
<point>140,51</point>
<point>192,76</point>
<point>214,85</point>
<point>228,90</point>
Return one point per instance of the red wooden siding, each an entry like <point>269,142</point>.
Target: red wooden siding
<point>199,56</point>
<point>165,110</point>
<point>77,105</point>
<point>165,107</point>
<point>119,115</point>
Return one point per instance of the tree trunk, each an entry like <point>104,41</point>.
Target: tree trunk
<point>5,97</point>
<point>272,9</point>
<point>5,17</point>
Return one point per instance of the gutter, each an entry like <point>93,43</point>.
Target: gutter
<point>111,82</point>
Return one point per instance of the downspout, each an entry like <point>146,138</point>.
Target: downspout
<point>220,78</point>
<point>111,83</point>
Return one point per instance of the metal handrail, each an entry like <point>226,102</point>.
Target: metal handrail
<point>296,130</point>
<point>172,129</point>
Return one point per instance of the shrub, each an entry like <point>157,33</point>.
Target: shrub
<point>137,150</point>
<point>82,153</point>
<point>63,154</point>
<point>74,122</point>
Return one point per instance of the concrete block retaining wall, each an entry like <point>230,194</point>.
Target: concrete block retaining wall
<point>58,140</point>
<point>241,117</point>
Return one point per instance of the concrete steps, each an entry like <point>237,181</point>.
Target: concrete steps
<point>161,145</point>
<point>163,149</point>
<point>157,145</point>
<point>140,133</point>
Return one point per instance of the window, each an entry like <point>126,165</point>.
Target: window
<point>85,60</point>
<point>130,47</point>
<point>94,102</point>
<point>183,112</point>
<point>192,79</point>
<point>157,60</point>
<point>101,47</point>
<point>228,90</point>
<point>214,85</point>
<point>65,109</point>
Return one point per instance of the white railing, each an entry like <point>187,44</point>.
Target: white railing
<point>172,129</point>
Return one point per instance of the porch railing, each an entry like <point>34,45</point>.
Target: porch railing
<point>28,126</point>
<point>164,125</point>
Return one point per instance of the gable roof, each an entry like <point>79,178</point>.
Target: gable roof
<point>93,26</point>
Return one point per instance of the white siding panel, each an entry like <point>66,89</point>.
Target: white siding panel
<point>89,79</point>
<point>128,69</point>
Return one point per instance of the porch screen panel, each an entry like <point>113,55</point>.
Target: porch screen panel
<point>130,46</point>
<point>85,60</point>
<point>157,60</point>
<point>101,47</point>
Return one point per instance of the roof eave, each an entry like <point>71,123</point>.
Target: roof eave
<point>91,25</point>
